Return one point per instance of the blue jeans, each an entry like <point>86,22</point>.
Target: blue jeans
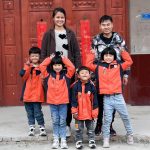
<point>59,115</point>
<point>111,103</point>
<point>34,112</point>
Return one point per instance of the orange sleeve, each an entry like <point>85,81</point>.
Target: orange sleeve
<point>89,61</point>
<point>127,60</point>
<point>74,110</point>
<point>95,113</point>
<point>70,67</point>
<point>43,67</point>
<point>27,69</point>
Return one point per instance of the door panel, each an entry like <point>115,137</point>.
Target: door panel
<point>10,51</point>
<point>118,10</point>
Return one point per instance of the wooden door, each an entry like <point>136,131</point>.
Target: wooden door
<point>118,9</point>
<point>18,32</point>
<point>10,52</point>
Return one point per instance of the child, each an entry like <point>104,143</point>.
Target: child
<point>57,80</point>
<point>109,78</point>
<point>32,93</point>
<point>84,106</point>
<point>107,38</point>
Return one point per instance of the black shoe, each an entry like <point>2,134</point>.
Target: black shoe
<point>112,132</point>
<point>98,129</point>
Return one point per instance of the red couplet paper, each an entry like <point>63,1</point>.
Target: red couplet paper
<point>85,39</point>
<point>41,29</point>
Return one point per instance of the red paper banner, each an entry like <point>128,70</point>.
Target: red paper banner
<point>85,39</point>
<point>41,29</point>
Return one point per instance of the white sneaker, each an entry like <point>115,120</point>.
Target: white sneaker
<point>68,131</point>
<point>32,130</point>
<point>92,144</point>
<point>55,144</point>
<point>79,145</point>
<point>130,139</point>
<point>63,144</point>
<point>42,131</point>
<point>106,143</point>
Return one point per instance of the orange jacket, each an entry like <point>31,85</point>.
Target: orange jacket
<point>84,100</point>
<point>33,88</point>
<point>57,84</point>
<point>109,76</point>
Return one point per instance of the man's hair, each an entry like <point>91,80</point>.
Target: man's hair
<point>35,50</point>
<point>83,68</point>
<point>109,50</point>
<point>104,18</point>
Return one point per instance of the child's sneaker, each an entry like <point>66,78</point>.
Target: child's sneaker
<point>106,143</point>
<point>79,145</point>
<point>55,144</point>
<point>42,131</point>
<point>92,144</point>
<point>63,144</point>
<point>32,130</point>
<point>130,139</point>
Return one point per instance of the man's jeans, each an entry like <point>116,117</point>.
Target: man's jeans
<point>34,111</point>
<point>111,102</point>
<point>59,115</point>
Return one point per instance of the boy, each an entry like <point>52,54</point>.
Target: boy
<point>107,38</point>
<point>32,93</point>
<point>109,78</point>
<point>84,106</point>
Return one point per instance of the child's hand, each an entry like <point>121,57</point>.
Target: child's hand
<point>75,116</point>
<point>62,56</point>
<point>52,56</point>
<point>92,51</point>
<point>27,62</point>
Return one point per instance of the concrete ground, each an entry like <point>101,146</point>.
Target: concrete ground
<point>14,130</point>
<point>47,146</point>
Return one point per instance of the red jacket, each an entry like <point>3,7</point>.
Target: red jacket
<point>109,76</point>
<point>33,88</point>
<point>57,84</point>
<point>84,100</point>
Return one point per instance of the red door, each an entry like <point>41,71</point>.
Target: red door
<point>18,32</point>
<point>118,10</point>
<point>10,52</point>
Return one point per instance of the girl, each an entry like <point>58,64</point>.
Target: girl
<point>57,80</point>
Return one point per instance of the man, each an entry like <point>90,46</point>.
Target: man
<point>107,38</point>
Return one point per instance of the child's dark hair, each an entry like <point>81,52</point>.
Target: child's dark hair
<point>104,18</point>
<point>57,59</point>
<point>109,50</point>
<point>83,68</point>
<point>59,9</point>
<point>35,50</point>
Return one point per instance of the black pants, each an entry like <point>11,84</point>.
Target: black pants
<point>100,114</point>
<point>69,115</point>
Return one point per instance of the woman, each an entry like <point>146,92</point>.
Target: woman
<point>60,38</point>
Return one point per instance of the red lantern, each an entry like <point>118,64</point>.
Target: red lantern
<point>41,29</point>
<point>85,39</point>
